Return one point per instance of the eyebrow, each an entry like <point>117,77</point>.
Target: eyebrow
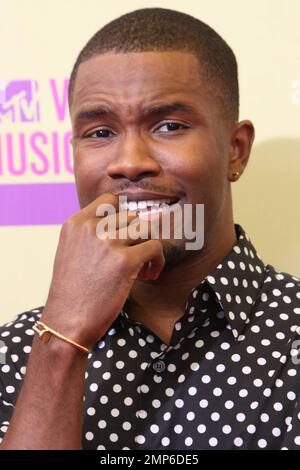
<point>168,107</point>
<point>86,116</point>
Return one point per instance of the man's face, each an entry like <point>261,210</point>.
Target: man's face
<point>139,141</point>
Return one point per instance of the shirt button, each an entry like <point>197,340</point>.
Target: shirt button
<point>159,366</point>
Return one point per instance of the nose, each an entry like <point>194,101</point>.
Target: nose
<point>133,160</point>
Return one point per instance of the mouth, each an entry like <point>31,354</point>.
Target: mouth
<point>146,203</point>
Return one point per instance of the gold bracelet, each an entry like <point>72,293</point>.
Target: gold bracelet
<point>45,333</point>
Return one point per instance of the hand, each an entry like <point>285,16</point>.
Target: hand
<point>92,277</point>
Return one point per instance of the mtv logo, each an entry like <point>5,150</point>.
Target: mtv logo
<point>19,101</point>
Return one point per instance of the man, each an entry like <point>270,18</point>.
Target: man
<point>188,349</point>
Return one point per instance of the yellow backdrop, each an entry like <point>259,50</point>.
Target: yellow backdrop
<point>40,40</point>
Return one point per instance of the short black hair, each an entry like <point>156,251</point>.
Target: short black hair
<point>161,29</point>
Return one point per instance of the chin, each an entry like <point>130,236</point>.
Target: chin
<point>174,254</point>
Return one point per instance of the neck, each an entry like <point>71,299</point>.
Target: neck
<point>159,304</point>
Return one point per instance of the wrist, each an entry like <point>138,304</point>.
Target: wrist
<point>58,352</point>
<point>45,333</point>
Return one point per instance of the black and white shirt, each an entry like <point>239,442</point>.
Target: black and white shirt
<point>230,378</point>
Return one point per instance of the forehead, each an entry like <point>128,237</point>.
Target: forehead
<point>133,79</point>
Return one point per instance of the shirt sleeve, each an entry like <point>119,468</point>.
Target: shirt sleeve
<point>292,436</point>
<point>6,411</point>
<point>15,346</point>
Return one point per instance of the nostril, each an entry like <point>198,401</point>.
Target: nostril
<point>131,176</point>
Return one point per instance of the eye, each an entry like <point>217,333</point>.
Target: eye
<point>100,133</point>
<point>171,126</point>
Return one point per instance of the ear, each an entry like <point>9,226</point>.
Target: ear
<point>240,147</point>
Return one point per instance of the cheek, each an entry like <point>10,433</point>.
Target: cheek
<point>88,171</point>
<point>202,171</point>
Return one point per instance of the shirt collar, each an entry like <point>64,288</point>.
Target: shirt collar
<point>237,282</point>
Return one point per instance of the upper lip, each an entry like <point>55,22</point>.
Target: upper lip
<point>147,196</point>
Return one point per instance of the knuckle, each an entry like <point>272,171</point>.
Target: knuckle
<point>107,247</point>
<point>68,226</point>
<point>122,260</point>
<point>157,246</point>
<point>88,227</point>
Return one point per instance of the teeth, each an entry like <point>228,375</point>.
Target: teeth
<point>164,207</point>
<point>132,206</point>
<point>143,205</point>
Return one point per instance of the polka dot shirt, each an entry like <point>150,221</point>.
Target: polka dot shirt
<point>228,380</point>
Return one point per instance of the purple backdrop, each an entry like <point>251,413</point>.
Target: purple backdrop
<point>37,204</point>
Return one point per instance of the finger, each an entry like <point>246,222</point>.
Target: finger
<point>114,227</point>
<point>121,219</point>
<point>137,231</point>
<point>106,204</point>
<point>149,253</point>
